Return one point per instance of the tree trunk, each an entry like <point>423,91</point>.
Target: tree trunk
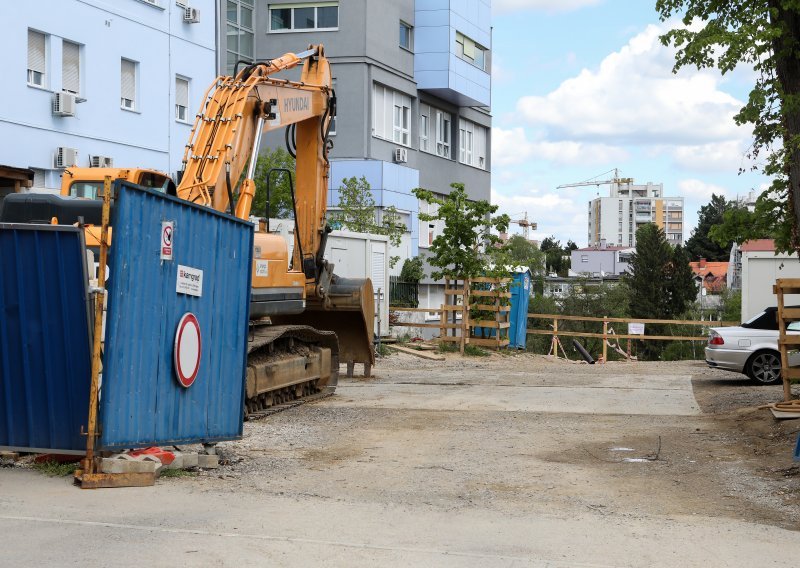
<point>787,64</point>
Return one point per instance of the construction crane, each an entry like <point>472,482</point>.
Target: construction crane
<point>594,181</point>
<point>525,225</point>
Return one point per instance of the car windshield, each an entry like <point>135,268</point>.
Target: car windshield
<point>765,320</point>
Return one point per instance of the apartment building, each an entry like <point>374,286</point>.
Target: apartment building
<point>92,82</point>
<point>615,219</point>
<point>412,81</point>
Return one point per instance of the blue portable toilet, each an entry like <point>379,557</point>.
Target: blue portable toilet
<point>520,298</point>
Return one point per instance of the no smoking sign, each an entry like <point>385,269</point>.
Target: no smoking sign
<point>167,229</point>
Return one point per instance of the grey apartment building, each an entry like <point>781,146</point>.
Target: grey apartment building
<point>412,81</point>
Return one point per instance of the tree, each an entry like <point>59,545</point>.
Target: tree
<point>764,35</point>
<point>740,224</point>
<point>701,244</point>
<point>460,251</point>
<point>522,252</point>
<point>280,205</point>
<point>681,285</point>
<point>647,274</point>
<point>357,213</point>
<point>412,270</point>
<point>556,256</point>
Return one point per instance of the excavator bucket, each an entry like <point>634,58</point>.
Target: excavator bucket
<point>350,314</point>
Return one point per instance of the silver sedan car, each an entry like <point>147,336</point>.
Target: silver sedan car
<point>750,348</point>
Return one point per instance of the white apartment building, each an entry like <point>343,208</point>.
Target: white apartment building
<point>615,219</point>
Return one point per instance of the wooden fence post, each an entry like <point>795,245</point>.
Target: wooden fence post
<point>605,341</point>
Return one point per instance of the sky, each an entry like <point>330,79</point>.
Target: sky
<point>580,87</point>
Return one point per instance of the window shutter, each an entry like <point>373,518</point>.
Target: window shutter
<point>71,66</point>
<point>181,92</point>
<point>36,51</point>
<point>128,86</point>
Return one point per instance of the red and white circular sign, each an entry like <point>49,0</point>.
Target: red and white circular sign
<point>188,349</point>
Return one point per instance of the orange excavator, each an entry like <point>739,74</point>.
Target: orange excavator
<point>305,319</point>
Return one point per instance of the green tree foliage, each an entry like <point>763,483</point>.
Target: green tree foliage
<point>701,244</point>
<point>765,36</point>
<point>460,251</point>
<point>556,256</point>
<point>357,213</point>
<point>740,224</point>
<point>280,206</point>
<point>522,252</point>
<point>412,270</point>
<point>682,286</point>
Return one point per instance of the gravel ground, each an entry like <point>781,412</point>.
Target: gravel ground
<point>730,460</point>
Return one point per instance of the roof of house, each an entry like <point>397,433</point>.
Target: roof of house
<point>758,245</point>
<point>714,274</point>
<point>598,249</point>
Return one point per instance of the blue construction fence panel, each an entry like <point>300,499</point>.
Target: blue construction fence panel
<point>45,347</point>
<point>141,402</point>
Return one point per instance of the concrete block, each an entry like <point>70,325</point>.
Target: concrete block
<point>190,460</point>
<point>177,463</point>
<point>208,462</point>
<point>128,465</point>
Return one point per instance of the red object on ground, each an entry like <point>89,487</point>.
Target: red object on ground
<point>165,456</point>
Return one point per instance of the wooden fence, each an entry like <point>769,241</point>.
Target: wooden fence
<point>605,335</point>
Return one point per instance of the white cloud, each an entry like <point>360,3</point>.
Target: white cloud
<point>556,214</point>
<point>633,97</point>
<point>512,147</point>
<point>509,6</point>
<point>698,191</point>
<point>725,156</point>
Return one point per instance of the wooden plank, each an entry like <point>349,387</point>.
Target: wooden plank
<point>487,280</point>
<point>427,325</point>
<point>490,324</point>
<point>488,342</point>
<point>421,354</point>
<point>491,294</point>
<point>453,292</point>
<point>792,373</point>
<point>789,340</point>
<point>790,314</point>
<point>634,320</point>
<point>491,308</point>
<point>616,336</point>
<point>414,310</point>
<point>452,308</point>
<point>451,339</point>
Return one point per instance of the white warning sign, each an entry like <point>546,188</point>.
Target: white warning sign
<point>167,229</point>
<point>190,281</point>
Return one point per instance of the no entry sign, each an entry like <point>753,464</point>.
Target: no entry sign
<point>188,349</point>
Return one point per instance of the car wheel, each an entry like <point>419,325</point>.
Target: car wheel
<point>764,368</point>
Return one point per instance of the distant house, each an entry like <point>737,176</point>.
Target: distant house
<point>560,287</point>
<point>601,260</point>
<point>711,279</point>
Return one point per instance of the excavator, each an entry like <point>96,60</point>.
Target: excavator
<point>304,318</point>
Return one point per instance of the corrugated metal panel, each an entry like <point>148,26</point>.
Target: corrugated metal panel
<point>45,352</point>
<point>142,402</point>
<point>520,298</point>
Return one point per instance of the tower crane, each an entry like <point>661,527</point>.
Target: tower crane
<point>594,181</point>
<point>526,226</point>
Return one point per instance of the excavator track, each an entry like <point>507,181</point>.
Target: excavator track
<point>288,364</point>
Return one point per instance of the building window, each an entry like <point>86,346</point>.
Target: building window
<point>128,85</point>
<point>406,36</point>
<point>443,122</point>
<point>181,99</point>
<point>391,115</point>
<point>239,34</point>
<point>423,131</point>
<point>37,58</point>
<point>470,51</point>
<point>584,258</point>
<point>303,17</point>
<point>472,144</point>
<point>71,67</point>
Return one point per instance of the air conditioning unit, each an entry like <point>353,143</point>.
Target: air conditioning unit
<point>101,162</point>
<point>64,104</point>
<point>191,15</point>
<point>65,157</point>
<point>401,155</point>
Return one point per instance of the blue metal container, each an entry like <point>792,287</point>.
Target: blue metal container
<point>142,402</point>
<point>45,347</point>
<point>520,298</point>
